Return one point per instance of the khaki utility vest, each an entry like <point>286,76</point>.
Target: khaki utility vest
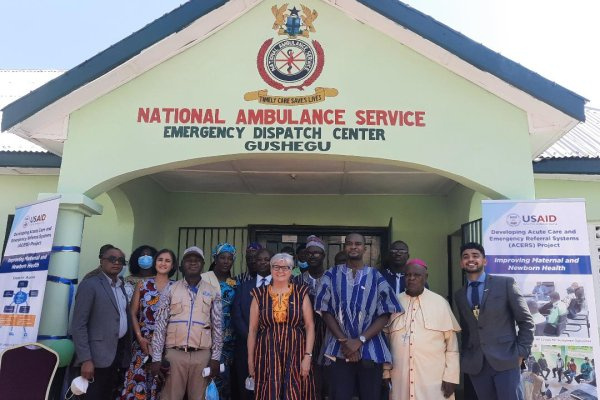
<point>189,320</point>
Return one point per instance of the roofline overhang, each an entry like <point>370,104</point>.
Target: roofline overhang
<point>551,109</point>
<point>482,57</point>
<point>28,159</point>
<point>569,166</point>
<point>106,60</point>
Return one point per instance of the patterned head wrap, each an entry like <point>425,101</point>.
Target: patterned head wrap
<point>223,248</point>
<point>254,246</point>
<point>313,240</point>
<point>417,261</point>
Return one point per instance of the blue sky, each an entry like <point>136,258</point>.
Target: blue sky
<point>60,34</point>
<point>555,38</point>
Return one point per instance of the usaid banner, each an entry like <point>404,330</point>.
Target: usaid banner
<point>543,245</point>
<point>24,271</point>
<point>541,237</point>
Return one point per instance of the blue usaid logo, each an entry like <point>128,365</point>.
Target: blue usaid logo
<point>531,219</point>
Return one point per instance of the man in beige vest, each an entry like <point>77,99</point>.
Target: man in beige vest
<point>188,326</point>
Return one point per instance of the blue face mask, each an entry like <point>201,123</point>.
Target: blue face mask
<point>302,264</point>
<point>145,262</point>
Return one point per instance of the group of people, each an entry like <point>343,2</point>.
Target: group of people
<point>550,318</point>
<point>565,368</point>
<point>535,380</point>
<point>294,329</point>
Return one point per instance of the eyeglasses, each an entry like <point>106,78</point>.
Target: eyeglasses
<point>398,251</point>
<point>115,260</point>
<point>280,268</point>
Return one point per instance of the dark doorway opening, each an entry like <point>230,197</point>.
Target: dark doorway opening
<point>276,237</point>
<point>9,222</point>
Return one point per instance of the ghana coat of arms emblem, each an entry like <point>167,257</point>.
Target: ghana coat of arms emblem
<point>292,60</point>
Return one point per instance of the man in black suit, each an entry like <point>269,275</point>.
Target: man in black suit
<point>250,272</point>
<point>100,327</point>
<point>489,308</point>
<point>240,316</point>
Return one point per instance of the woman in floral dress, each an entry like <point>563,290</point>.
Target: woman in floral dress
<point>140,268</point>
<point>220,277</point>
<point>139,384</point>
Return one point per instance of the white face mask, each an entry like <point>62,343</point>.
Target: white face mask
<point>249,383</point>
<point>79,386</point>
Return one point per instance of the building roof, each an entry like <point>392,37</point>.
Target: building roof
<point>107,60</point>
<point>583,141</point>
<point>15,83</point>
<point>17,155</point>
<point>454,42</point>
<point>576,153</point>
<point>481,57</point>
<point>10,143</point>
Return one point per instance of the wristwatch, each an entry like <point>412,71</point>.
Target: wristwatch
<point>362,339</point>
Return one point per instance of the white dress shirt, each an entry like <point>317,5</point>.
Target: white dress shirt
<point>263,280</point>
<point>121,303</point>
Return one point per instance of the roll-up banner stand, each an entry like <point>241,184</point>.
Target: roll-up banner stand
<point>24,271</point>
<point>543,245</point>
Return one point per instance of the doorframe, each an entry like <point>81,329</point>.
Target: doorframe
<point>336,230</point>
<point>325,230</point>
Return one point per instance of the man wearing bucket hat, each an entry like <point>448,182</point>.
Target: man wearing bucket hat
<point>188,326</point>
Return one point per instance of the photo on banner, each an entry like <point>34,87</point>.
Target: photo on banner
<point>24,271</point>
<point>544,246</point>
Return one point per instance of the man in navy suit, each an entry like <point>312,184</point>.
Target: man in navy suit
<point>240,315</point>
<point>489,308</point>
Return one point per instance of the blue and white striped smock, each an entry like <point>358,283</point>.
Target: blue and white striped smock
<point>356,302</point>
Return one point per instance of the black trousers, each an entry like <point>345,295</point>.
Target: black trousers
<point>240,364</point>
<point>321,381</point>
<point>366,376</point>
<point>107,381</point>
<point>558,371</point>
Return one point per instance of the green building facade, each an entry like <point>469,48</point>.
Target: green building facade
<point>220,119</point>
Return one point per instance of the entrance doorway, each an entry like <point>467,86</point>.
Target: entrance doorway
<point>275,237</point>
